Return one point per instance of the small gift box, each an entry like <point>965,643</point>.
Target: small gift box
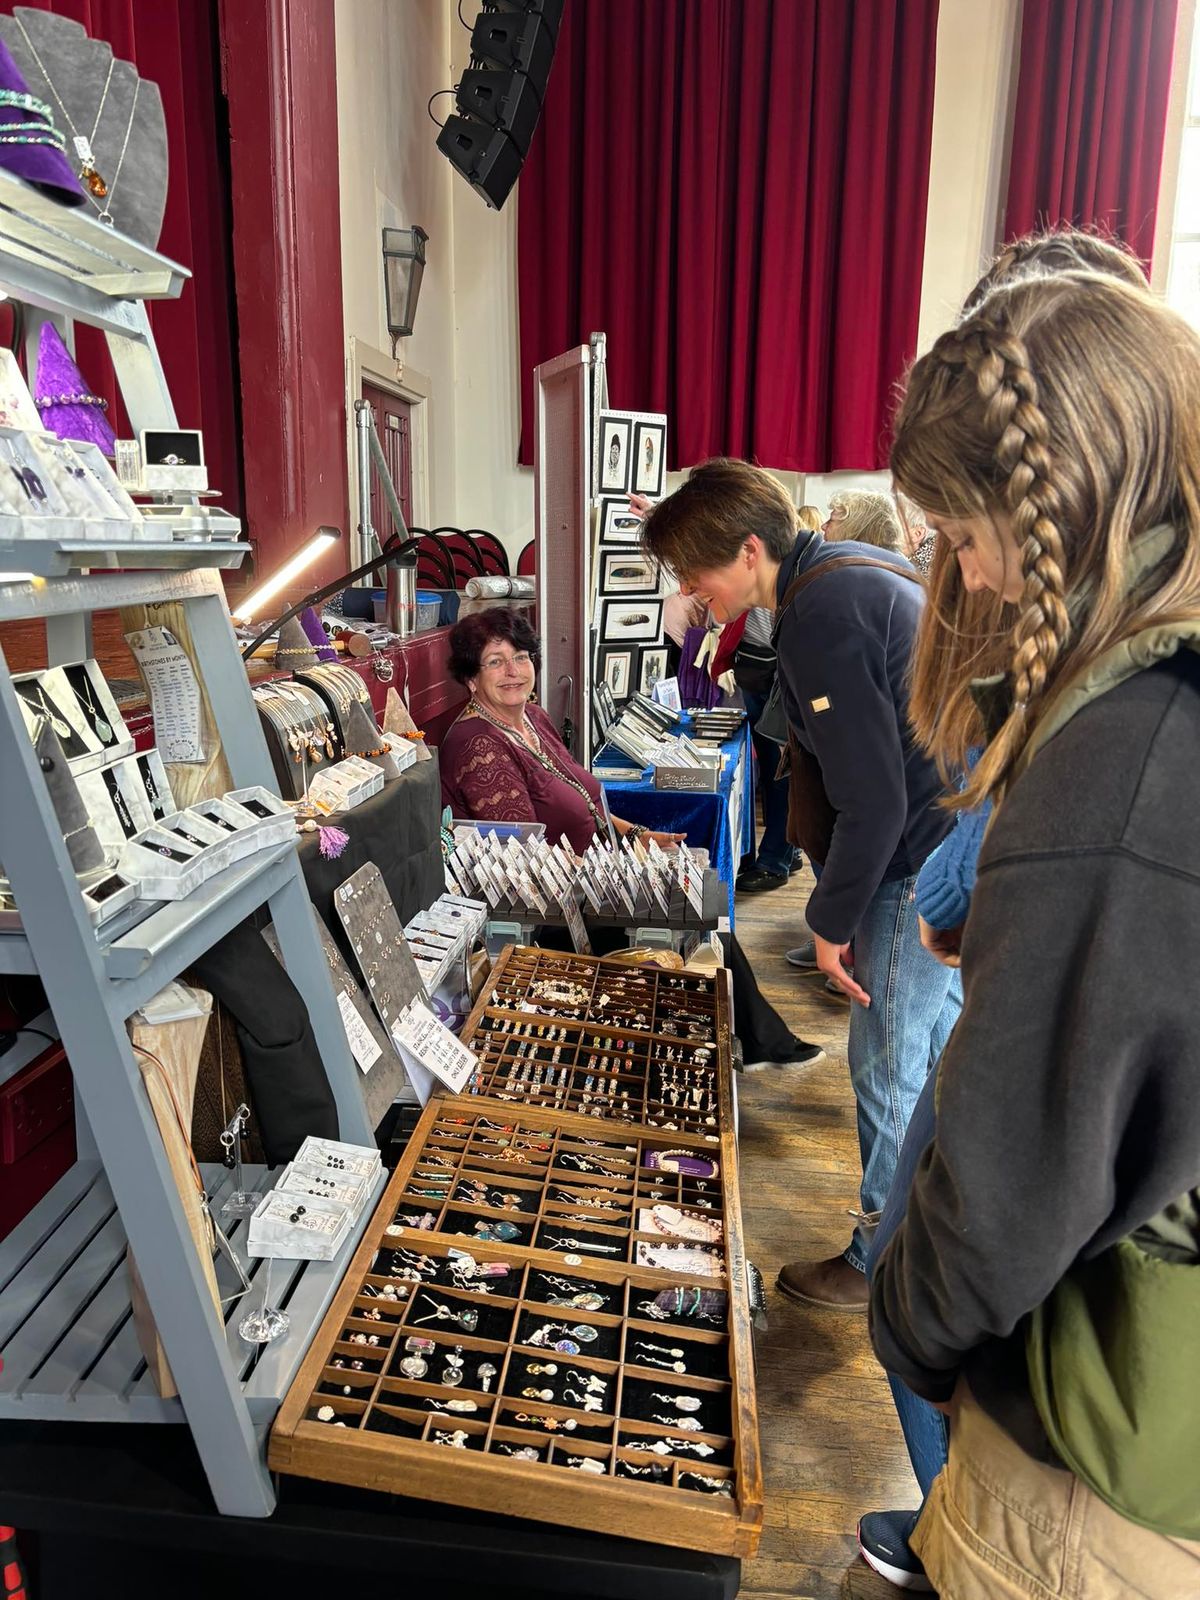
<point>163,865</point>
<point>276,822</point>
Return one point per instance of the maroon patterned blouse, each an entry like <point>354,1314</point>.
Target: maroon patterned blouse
<point>489,776</point>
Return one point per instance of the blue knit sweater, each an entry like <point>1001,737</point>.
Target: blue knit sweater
<point>946,882</point>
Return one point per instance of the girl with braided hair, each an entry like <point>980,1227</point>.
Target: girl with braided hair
<point>1042,1284</point>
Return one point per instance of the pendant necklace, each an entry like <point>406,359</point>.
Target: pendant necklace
<point>103,728</point>
<point>60,725</point>
<point>88,176</point>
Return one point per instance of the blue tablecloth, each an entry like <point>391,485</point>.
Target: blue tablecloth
<point>703,817</point>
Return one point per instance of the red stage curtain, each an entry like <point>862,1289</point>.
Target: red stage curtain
<point>175,45</point>
<point>734,191</point>
<point>1090,116</point>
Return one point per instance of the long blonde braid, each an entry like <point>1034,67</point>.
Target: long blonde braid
<point>1021,435</point>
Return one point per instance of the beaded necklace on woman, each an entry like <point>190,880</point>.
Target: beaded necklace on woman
<point>534,746</point>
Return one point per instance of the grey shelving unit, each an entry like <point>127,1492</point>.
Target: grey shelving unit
<point>70,1351</point>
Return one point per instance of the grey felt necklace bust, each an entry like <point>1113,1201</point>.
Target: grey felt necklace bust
<point>77,67</point>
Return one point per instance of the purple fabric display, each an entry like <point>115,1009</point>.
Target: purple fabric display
<point>696,688</point>
<point>316,635</point>
<point>39,164</point>
<point>65,403</point>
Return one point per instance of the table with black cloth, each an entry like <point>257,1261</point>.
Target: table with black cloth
<point>113,1511</point>
<point>399,830</point>
<point>705,818</point>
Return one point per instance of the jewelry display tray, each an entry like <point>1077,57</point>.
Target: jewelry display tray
<point>668,1482</point>
<point>609,1056</point>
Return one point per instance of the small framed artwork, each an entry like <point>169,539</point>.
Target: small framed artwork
<point>648,468</point>
<point>652,667</point>
<point>616,671</point>
<point>618,524</point>
<point>615,433</point>
<point>627,572</point>
<point>630,621</point>
<point>607,701</point>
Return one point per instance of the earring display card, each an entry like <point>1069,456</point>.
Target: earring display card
<point>464,1364</point>
<point>366,912</point>
<point>384,1077</point>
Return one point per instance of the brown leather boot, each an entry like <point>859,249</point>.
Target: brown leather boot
<point>834,1284</point>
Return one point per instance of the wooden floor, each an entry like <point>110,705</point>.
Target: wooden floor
<point>832,1447</point>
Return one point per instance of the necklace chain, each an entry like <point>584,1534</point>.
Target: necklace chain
<point>83,147</point>
<point>538,754</point>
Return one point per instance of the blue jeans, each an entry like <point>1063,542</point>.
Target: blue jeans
<point>897,1039</point>
<point>926,1430</point>
<point>774,853</point>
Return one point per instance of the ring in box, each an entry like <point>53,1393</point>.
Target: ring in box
<point>241,827</point>
<point>214,842</point>
<point>164,866</point>
<point>275,820</point>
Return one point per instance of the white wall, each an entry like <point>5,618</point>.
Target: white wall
<point>467,333</point>
<point>390,59</point>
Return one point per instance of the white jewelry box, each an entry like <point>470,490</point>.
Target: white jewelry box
<point>116,802</point>
<point>164,866</point>
<point>80,705</point>
<point>31,506</point>
<point>276,821</point>
<point>242,829</point>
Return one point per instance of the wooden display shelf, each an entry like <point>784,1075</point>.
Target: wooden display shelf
<point>628,1058</point>
<point>629,1355</point>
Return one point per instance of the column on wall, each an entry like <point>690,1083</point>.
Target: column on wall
<point>279,69</point>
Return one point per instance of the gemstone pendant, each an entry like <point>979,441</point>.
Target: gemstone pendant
<point>93,182</point>
<point>686,1402</point>
<point>588,1335</point>
<point>103,731</point>
<point>567,1347</point>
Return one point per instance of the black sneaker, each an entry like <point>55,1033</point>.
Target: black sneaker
<point>883,1544</point>
<point>757,879</point>
<point>803,1054</point>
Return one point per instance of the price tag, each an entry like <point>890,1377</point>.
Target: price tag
<point>430,1050</point>
<point>362,1046</point>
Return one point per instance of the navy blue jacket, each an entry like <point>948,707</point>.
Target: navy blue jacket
<point>843,648</point>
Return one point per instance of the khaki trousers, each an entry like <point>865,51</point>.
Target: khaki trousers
<point>1000,1526</point>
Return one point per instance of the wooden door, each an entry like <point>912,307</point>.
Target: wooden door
<point>393,423</point>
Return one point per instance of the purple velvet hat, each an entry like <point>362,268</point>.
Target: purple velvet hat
<point>65,403</point>
<point>40,164</point>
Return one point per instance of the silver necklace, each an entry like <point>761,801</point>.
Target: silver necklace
<point>532,743</point>
<point>105,215</point>
<point>88,176</point>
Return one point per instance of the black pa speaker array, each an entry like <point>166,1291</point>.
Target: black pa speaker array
<point>499,97</point>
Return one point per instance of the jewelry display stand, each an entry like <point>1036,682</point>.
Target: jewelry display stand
<point>66,1327</point>
<point>372,926</point>
<point>548,1316</point>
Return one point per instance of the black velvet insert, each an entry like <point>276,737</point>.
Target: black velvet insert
<point>644,1401</point>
